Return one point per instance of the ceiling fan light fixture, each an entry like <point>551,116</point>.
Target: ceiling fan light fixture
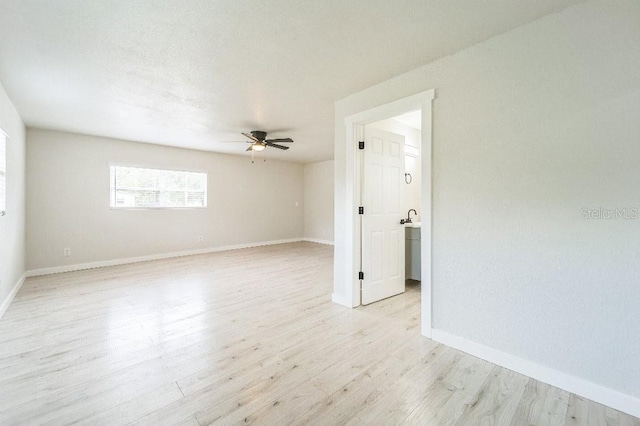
<point>258,146</point>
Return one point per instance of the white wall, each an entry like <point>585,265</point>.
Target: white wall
<point>529,128</point>
<point>68,201</point>
<point>318,201</point>
<point>12,226</point>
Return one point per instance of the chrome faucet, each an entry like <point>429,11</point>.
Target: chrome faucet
<point>408,219</point>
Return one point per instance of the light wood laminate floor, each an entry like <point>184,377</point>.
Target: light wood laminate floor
<point>247,336</point>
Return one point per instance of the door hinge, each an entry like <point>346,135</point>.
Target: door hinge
<point>361,145</point>
<point>361,275</point>
<point>360,210</point>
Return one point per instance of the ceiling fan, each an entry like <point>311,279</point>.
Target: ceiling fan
<point>259,141</point>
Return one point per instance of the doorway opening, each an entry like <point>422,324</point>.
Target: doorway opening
<point>349,266</point>
<point>390,228</point>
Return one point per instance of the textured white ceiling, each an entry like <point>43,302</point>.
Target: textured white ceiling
<point>193,73</point>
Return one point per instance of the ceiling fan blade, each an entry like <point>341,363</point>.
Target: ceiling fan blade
<point>250,148</point>
<point>234,142</point>
<point>275,145</point>
<point>280,140</point>
<point>250,136</point>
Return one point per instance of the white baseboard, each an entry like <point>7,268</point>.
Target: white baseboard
<point>319,241</point>
<point>603,395</point>
<point>336,298</point>
<point>12,294</point>
<point>124,261</point>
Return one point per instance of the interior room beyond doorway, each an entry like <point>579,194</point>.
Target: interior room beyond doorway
<point>407,128</point>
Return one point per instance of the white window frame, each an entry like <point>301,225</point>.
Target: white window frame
<point>3,172</point>
<point>112,188</point>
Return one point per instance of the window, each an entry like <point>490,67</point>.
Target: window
<point>134,187</point>
<point>3,173</point>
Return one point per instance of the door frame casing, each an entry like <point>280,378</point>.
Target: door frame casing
<point>354,133</point>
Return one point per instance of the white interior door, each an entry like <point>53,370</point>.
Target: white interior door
<point>382,233</point>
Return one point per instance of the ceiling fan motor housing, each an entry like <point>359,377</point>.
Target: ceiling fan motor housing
<point>258,134</point>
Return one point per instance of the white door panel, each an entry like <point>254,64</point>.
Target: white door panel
<point>382,233</point>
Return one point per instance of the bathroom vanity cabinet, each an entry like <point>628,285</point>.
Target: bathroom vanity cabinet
<point>412,250</point>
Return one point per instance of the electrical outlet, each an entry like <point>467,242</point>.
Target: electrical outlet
<point>200,238</point>
<point>67,252</point>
